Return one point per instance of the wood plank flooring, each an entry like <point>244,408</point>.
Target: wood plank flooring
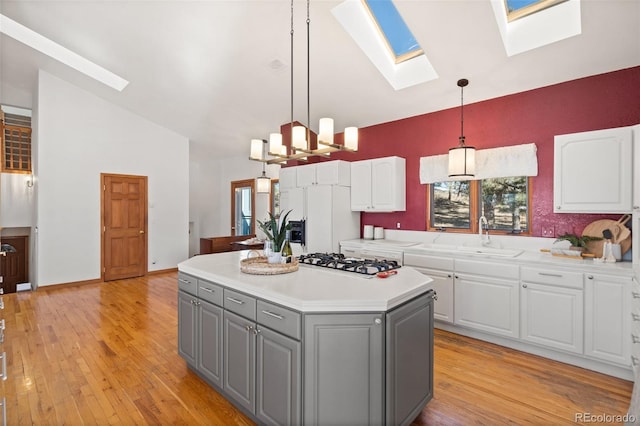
<point>106,353</point>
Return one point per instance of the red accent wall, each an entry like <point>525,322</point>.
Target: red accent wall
<point>591,103</point>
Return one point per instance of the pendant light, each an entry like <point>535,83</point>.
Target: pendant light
<point>462,158</point>
<point>301,135</point>
<point>263,182</point>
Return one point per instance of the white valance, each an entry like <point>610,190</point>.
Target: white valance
<point>508,161</point>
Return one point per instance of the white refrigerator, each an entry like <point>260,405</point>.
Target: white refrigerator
<point>327,212</point>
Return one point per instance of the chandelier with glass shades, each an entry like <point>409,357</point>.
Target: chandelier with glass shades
<point>301,135</point>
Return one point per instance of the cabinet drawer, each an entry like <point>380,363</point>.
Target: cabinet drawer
<point>553,277</point>
<point>497,270</point>
<point>210,292</point>
<point>433,262</point>
<point>279,319</point>
<point>240,303</point>
<point>188,283</point>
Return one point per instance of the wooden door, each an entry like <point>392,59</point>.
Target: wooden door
<point>124,216</point>
<point>14,262</point>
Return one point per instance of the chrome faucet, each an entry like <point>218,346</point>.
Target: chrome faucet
<point>483,221</point>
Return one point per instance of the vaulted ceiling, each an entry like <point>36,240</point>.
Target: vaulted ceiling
<point>218,71</point>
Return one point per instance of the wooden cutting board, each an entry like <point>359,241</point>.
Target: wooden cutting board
<point>621,234</point>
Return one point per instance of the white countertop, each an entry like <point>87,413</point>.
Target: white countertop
<point>534,258</point>
<point>311,288</point>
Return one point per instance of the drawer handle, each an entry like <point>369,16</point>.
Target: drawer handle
<point>234,300</point>
<point>3,375</point>
<point>2,324</point>
<point>635,338</point>
<point>208,290</point>
<point>635,317</point>
<point>271,314</point>
<point>634,360</point>
<point>548,274</point>
<point>182,280</point>
<point>635,294</point>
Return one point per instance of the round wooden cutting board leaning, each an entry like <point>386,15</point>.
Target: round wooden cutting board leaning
<point>621,234</point>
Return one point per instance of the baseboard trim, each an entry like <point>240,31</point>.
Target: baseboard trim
<point>162,271</point>
<point>70,284</point>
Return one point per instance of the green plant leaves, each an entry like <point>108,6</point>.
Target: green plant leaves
<point>273,232</point>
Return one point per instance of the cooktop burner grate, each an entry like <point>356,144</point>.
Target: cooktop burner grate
<point>349,264</point>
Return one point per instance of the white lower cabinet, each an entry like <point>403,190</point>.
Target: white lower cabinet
<point>634,297</point>
<point>486,297</point>
<point>551,308</point>
<point>608,318</point>
<point>440,269</point>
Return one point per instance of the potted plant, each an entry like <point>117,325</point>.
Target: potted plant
<point>577,243</point>
<point>275,233</point>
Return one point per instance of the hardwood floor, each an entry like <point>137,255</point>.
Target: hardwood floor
<point>106,354</point>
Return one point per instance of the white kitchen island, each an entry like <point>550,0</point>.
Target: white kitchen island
<point>315,346</point>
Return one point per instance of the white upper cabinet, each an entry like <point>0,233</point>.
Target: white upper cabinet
<point>378,185</point>
<point>593,172</point>
<point>287,178</point>
<point>636,167</point>
<point>336,172</point>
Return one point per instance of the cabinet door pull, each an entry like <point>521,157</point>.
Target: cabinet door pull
<point>634,360</point>
<point>208,290</point>
<point>524,286</point>
<point>635,338</point>
<point>635,294</point>
<point>548,274</point>
<point>271,314</point>
<point>3,375</point>
<point>234,300</point>
<point>256,331</point>
<point>248,328</point>
<point>590,277</point>
<point>635,316</point>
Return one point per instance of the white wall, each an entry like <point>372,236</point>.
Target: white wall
<point>79,137</point>
<point>16,200</point>
<point>210,184</point>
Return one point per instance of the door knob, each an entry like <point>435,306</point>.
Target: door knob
<point>142,231</point>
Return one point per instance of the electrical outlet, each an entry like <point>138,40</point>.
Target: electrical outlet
<point>398,225</point>
<point>548,231</point>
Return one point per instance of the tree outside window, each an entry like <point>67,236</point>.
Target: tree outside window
<point>457,205</point>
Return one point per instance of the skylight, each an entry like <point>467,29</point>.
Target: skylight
<point>519,8</point>
<point>547,25</point>
<point>392,28</point>
<point>60,53</point>
<point>410,66</point>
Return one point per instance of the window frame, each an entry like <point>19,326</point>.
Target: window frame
<point>3,145</point>
<point>474,212</point>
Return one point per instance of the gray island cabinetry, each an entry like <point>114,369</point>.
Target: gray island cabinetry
<point>311,347</point>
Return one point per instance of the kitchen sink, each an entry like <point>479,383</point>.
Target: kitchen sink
<point>490,251</point>
<point>472,250</point>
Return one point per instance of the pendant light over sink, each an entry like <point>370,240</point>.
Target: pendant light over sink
<point>301,135</point>
<point>462,158</point>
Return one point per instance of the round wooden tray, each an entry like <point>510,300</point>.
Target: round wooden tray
<point>260,266</point>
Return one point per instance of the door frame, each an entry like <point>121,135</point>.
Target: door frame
<point>241,184</point>
<point>103,176</point>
